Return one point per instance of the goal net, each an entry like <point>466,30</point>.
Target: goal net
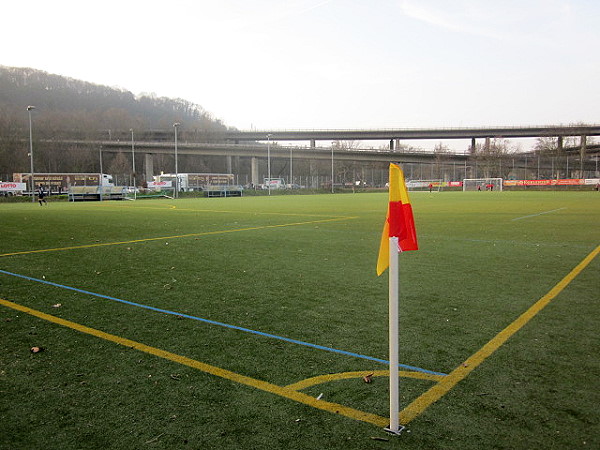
<point>482,184</point>
<point>424,185</point>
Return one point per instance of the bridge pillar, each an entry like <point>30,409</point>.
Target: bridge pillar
<point>583,145</point>
<point>149,166</point>
<point>560,144</point>
<point>254,170</point>
<point>473,145</point>
<point>313,175</point>
<point>391,145</point>
<point>313,143</point>
<point>228,162</point>
<point>236,166</point>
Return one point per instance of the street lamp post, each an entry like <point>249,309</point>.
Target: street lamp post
<point>29,109</point>
<point>176,126</point>
<point>101,174</point>
<point>133,163</point>
<point>269,163</point>
<point>332,168</point>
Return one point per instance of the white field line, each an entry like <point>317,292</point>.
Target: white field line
<point>538,214</point>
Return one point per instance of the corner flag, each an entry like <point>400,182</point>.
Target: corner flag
<point>398,235</point>
<point>399,221</point>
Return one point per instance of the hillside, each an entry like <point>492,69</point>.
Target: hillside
<point>68,104</point>
<point>70,108</point>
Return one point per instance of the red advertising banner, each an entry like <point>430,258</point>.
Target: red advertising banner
<point>567,182</point>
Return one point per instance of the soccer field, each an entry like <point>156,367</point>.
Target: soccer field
<point>251,322</point>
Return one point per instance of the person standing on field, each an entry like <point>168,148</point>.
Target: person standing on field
<point>42,197</point>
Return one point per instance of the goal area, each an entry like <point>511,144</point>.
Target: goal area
<point>482,184</point>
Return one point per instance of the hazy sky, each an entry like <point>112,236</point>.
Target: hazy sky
<point>302,64</point>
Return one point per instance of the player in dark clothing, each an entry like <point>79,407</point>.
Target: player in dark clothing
<point>42,197</point>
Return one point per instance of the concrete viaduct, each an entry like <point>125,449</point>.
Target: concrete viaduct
<point>251,144</point>
<point>415,134</point>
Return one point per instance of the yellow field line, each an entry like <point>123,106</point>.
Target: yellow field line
<point>285,392</point>
<point>458,374</point>
<point>207,233</point>
<point>225,211</point>
<point>309,382</point>
<point>413,410</point>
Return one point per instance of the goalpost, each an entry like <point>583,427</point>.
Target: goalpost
<point>482,184</point>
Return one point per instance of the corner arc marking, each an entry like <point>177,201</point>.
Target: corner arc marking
<point>322,379</point>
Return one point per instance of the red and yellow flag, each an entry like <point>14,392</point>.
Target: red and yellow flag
<point>399,221</point>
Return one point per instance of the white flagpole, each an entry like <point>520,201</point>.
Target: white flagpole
<point>393,338</point>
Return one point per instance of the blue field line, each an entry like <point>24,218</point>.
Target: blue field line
<point>221,324</point>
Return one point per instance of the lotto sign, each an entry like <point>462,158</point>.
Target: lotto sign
<point>9,187</point>
<point>160,184</point>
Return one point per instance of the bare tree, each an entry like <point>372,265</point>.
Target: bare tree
<point>491,157</point>
<point>119,165</point>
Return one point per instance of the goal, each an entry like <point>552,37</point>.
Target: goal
<point>482,184</point>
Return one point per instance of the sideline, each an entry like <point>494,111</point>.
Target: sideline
<point>447,383</point>
<point>288,393</point>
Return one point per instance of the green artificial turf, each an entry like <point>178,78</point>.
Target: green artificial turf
<point>303,268</point>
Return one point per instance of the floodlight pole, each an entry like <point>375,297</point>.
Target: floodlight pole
<point>29,108</point>
<point>133,163</point>
<point>269,163</point>
<point>176,125</point>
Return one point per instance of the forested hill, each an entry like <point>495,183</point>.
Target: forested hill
<point>66,107</point>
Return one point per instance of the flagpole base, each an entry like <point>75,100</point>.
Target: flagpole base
<point>395,432</point>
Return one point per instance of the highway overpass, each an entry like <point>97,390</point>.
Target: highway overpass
<point>414,133</point>
<point>253,145</point>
